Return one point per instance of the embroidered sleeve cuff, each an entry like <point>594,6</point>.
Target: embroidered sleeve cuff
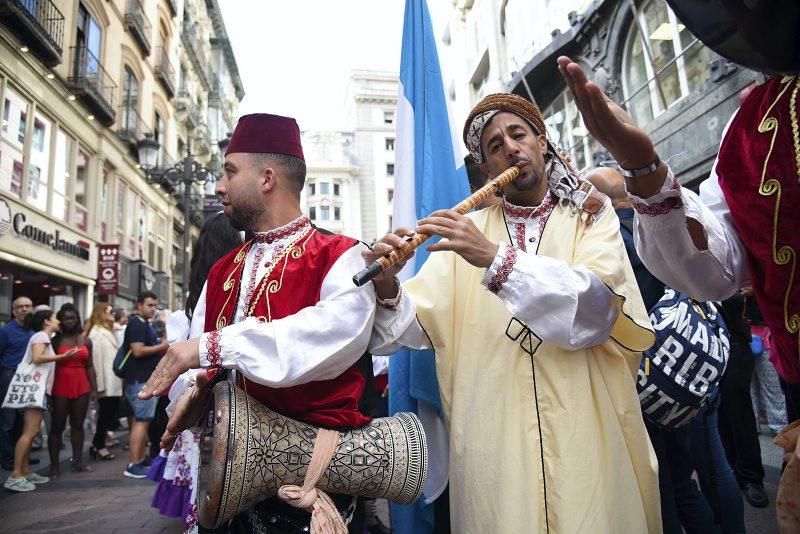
<point>498,272</point>
<point>668,199</point>
<point>210,350</point>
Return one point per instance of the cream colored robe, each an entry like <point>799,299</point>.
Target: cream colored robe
<point>553,442</point>
<point>104,349</point>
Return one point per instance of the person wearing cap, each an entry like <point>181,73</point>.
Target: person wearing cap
<point>533,312</point>
<point>281,310</point>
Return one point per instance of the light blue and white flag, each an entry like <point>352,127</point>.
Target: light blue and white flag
<point>429,175</point>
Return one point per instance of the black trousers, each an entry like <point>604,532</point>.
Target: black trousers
<point>737,422</point>
<point>158,426</point>
<point>106,412</point>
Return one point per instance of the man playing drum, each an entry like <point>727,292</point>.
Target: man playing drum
<point>537,324</point>
<point>281,310</point>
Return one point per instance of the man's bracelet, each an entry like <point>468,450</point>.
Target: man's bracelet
<point>644,171</point>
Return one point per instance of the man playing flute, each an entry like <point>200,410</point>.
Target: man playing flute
<point>533,312</point>
<point>281,310</point>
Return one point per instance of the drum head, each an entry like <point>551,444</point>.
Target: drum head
<point>761,34</point>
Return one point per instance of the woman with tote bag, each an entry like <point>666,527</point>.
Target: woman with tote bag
<point>37,367</point>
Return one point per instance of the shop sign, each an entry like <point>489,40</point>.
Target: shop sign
<point>108,269</point>
<point>49,239</point>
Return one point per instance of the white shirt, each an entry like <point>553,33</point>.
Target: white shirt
<point>319,342</point>
<point>580,311</point>
<point>667,250</point>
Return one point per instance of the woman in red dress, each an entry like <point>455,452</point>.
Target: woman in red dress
<point>73,385</point>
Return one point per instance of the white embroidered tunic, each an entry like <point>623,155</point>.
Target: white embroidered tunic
<point>663,242</point>
<point>567,306</point>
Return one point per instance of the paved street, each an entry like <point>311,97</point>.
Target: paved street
<point>106,501</point>
<point>101,501</point>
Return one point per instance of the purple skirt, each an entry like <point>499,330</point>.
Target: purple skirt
<point>172,500</point>
<point>156,472</point>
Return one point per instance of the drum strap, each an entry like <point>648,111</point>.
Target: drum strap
<point>325,518</point>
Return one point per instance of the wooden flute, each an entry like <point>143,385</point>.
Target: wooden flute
<point>491,187</point>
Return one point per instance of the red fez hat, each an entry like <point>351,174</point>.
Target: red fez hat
<point>261,133</point>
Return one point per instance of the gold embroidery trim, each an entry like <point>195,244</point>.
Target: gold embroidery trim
<point>229,283</point>
<point>290,250</point>
<point>785,254</point>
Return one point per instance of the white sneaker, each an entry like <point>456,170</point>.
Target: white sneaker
<point>19,484</point>
<point>35,478</point>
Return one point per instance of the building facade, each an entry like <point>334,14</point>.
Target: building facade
<point>676,89</point>
<point>331,194</point>
<point>370,114</point>
<point>472,51</point>
<point>82,82</point>
<point>207,96</point>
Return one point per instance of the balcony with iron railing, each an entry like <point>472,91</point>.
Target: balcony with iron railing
<point>138,24</point>
<point>191,42</point>
<point>130,126</point>
<point>38,24</point>
<point>165,72</point>
<point>90,81</point>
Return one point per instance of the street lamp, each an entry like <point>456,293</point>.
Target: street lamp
<point>185,173</point>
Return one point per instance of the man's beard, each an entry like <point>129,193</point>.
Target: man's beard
<point>243,217</point>
<point>528,182</point>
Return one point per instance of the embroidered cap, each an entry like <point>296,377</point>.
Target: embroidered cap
<point>487,108</point>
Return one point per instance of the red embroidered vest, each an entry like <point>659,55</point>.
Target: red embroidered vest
<point>294,283</point>
<point>759,173</point>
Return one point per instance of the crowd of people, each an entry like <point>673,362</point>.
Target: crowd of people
<point>608,345</point>
<point>554,240</point>
<point>76,363</point>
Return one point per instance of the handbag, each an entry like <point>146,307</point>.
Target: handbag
<point>681,372</point>
<point>28,388</point>
<point>120,360</point>
<point>123,355</point>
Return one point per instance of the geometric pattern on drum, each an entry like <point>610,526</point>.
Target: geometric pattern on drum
<point>259,450</point>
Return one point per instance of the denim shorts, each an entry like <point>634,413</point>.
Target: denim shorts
<point>143,410</point>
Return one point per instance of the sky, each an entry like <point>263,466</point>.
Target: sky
<point>295,56</point>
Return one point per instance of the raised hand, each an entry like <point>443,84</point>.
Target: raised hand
<point>188,410</point>
<point>180,357</point>
<point>606,120</point>
<point>614,129</point>
<point>462,237</point>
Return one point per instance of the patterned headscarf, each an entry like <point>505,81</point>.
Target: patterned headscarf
<point>562,177</point>
<point>487,108</point>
